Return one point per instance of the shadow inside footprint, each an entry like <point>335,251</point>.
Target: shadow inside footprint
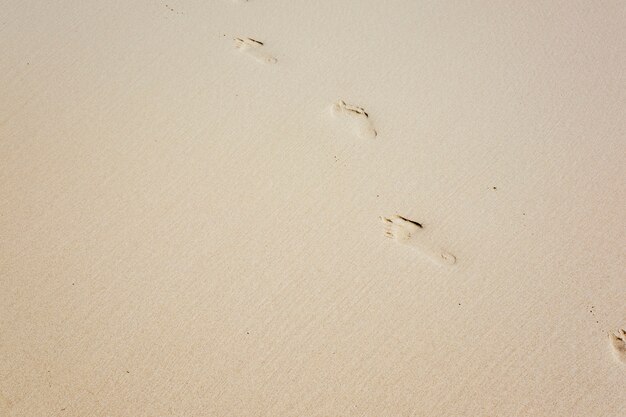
<point>357,117</point>
<point>618,342</point>
<point>406,231</point>
<point>255,49</point>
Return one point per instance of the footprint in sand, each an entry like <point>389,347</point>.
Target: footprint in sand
<point>255,49</point>
<point>356,117</point>
<point>618,341</point>
<point>406,231</point>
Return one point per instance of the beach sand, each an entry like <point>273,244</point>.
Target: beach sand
<point>329,208</point>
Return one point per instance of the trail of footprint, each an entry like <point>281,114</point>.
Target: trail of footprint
<point>357,117</point>
<point>406,231</point>
<point>618,341</point>
<point>255,49</point>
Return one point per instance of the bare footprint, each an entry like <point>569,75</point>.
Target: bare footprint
<point>255,49</point>
<point>618,341</point>
<point>357,117</point>
<point>406,231</point>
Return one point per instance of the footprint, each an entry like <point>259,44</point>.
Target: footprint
<point>358,118</point>
<point>255,49</point>
<point>618,341</point>
<point>406,231</point>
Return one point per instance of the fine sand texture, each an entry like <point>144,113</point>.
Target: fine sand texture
<point>288,208</point>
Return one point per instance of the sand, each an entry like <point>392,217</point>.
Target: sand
<point>328,208</point>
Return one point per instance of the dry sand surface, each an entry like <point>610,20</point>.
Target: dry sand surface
<point>312,208</point>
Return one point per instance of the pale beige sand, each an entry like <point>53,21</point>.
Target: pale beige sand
<point>190,225</point>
